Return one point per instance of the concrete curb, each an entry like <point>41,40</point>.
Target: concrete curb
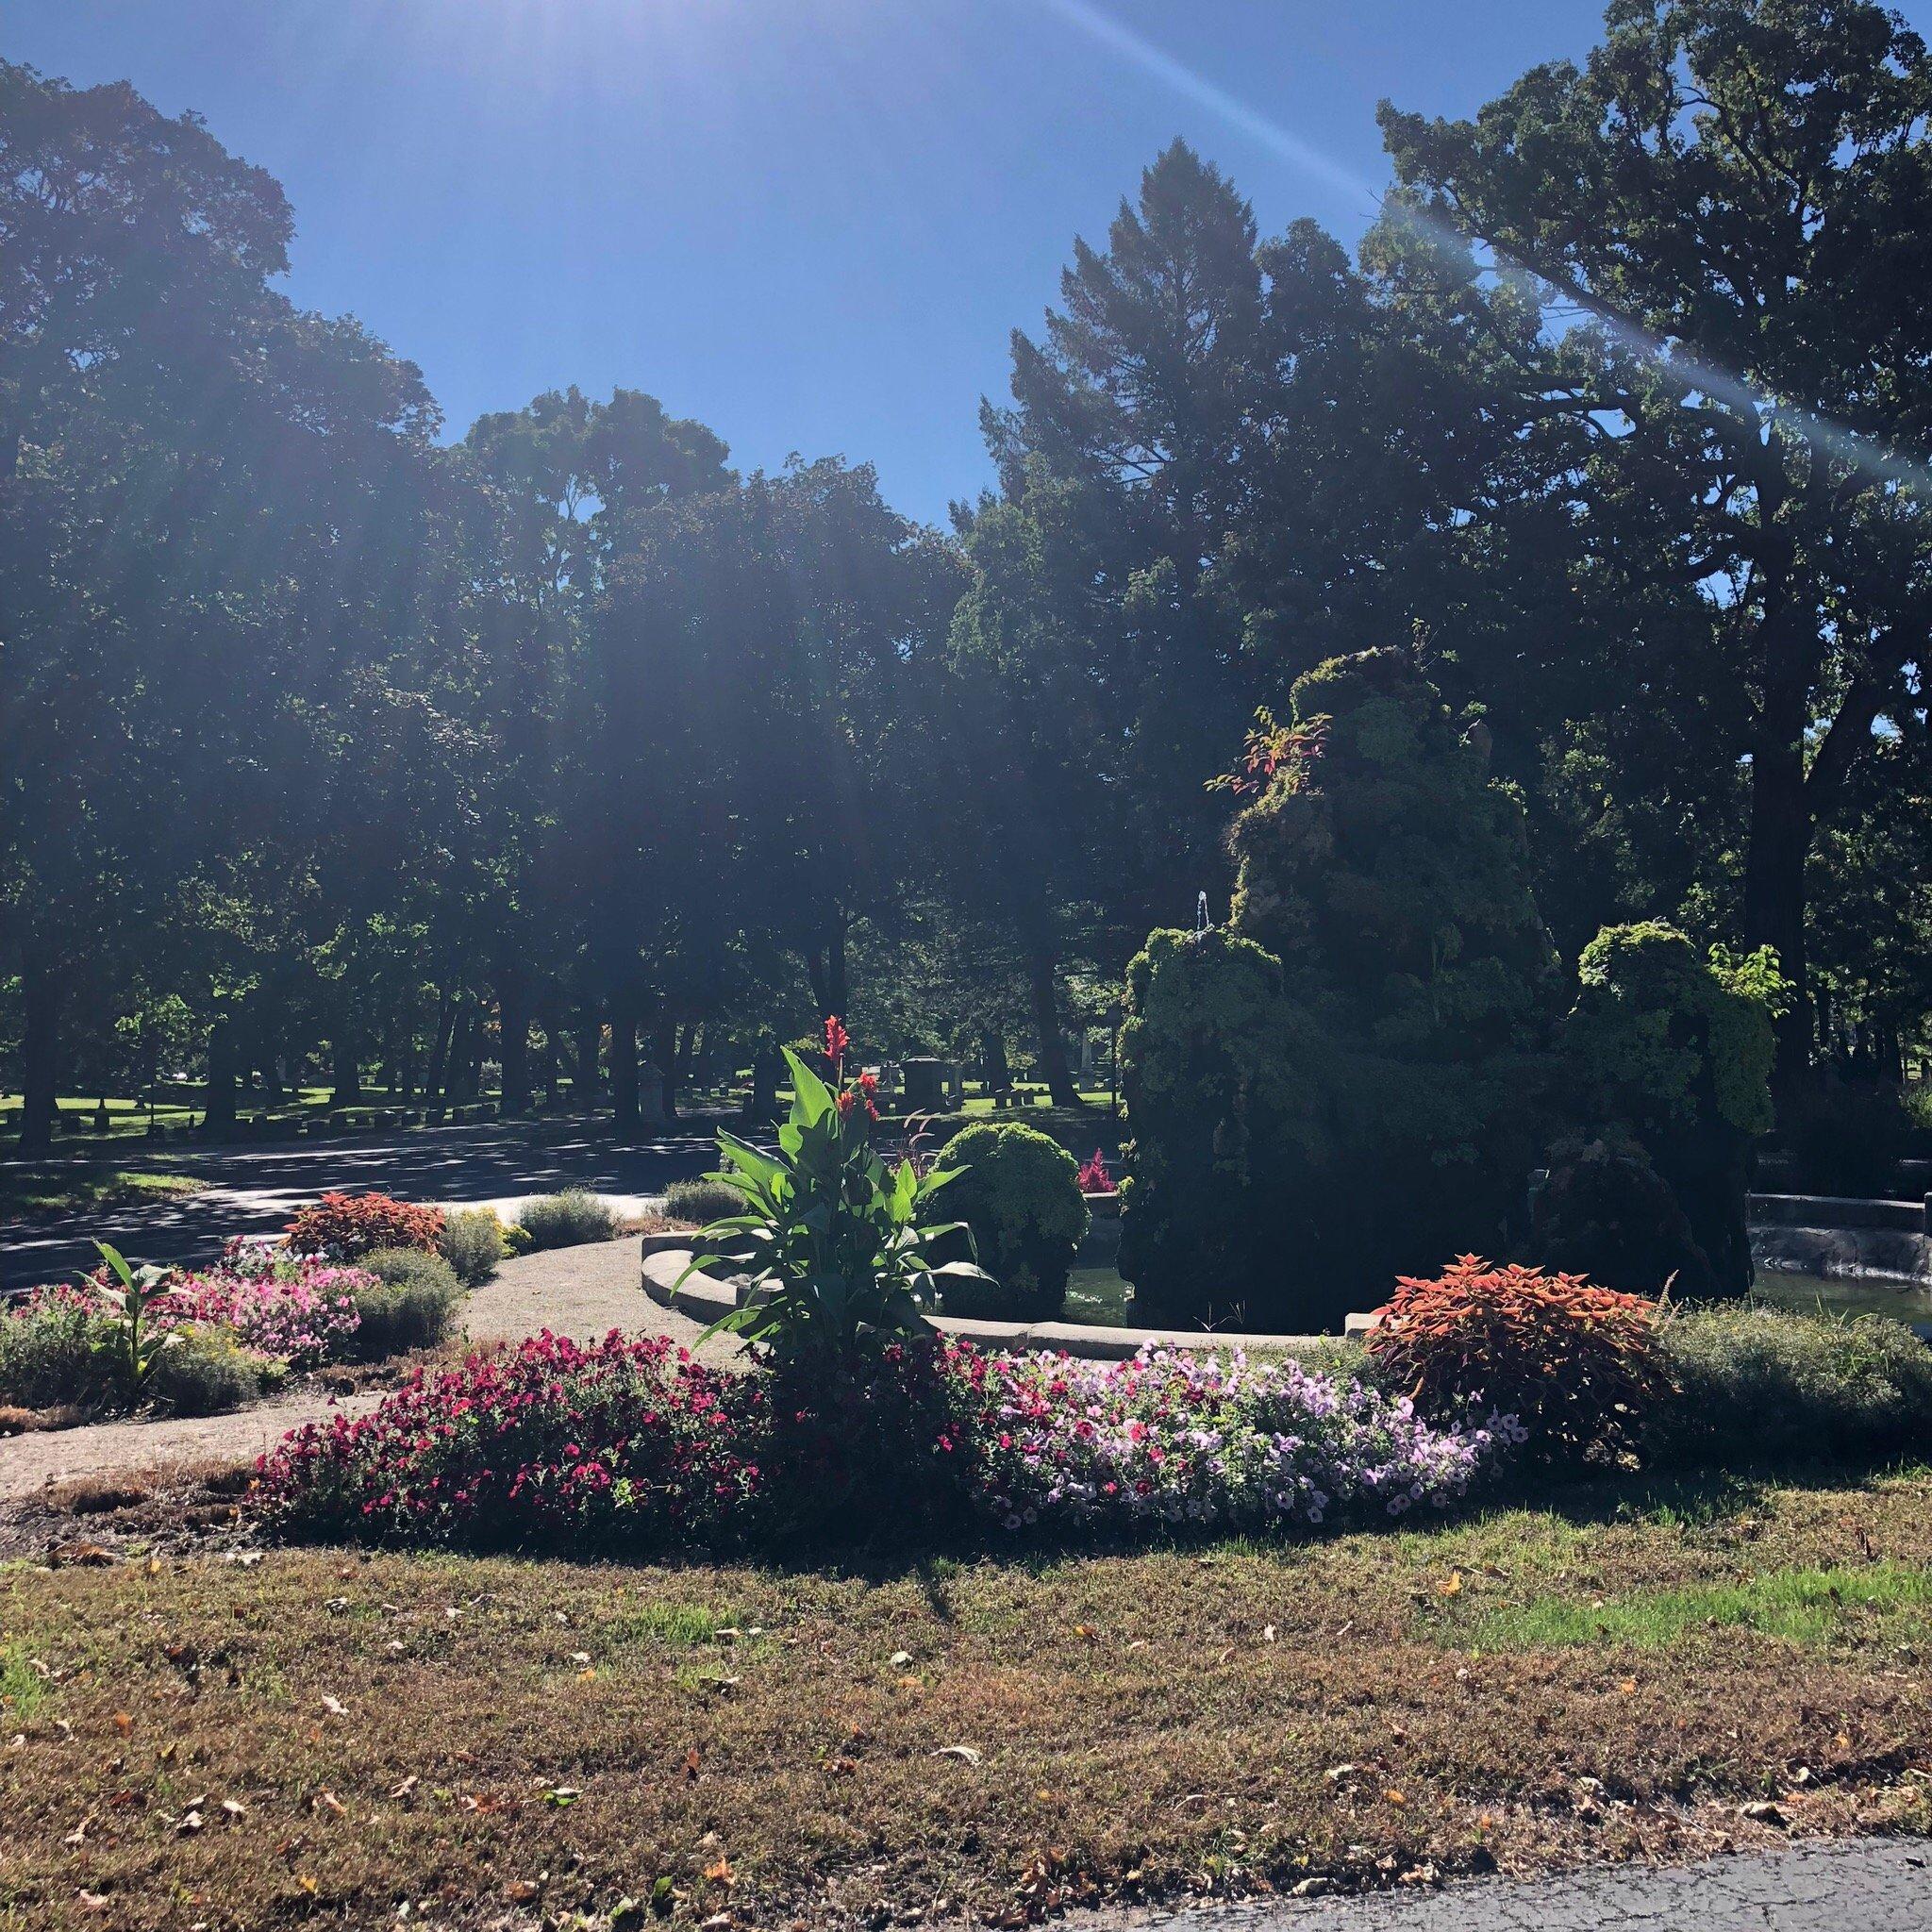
<point>703,1299</point>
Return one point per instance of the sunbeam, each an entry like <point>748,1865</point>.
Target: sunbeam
<point>1861,452</point>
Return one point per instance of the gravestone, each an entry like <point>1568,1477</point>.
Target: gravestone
<point>650,1095</point>
<point>926,1085</point>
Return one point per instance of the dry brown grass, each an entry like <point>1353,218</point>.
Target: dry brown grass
<point>313,1736</point>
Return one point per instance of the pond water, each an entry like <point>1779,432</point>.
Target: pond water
<point>1837,1294</point>
<point>1098,1298</point>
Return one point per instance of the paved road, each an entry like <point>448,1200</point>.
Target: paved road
<point>1868,1884</point>
<point>254,1190</point>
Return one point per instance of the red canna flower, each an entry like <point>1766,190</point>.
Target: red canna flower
<point>837,1038</point>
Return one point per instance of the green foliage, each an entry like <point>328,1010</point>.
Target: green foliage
<point>414,1306</point>
<point>1604,1210</point>
<point>1206,1057</point>
<point>566,1220</point>
<point>1348,1085</point>
<point>1667,1039</point>
<point>134,1342</point>
<point>701,1199</point>
<point>1680,1048</point>
<point>53,1352</point>
<point>1759,1384</point>
<point>208,1371</point>
<point>1019,1194</point>
<point>472,1243</point>
<point>834,1246</point>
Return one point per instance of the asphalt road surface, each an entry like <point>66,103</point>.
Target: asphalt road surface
<point>1868,1884</point>
<point>254,1190</point>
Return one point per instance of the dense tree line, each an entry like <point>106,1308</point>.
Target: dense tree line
<point>567,746</point>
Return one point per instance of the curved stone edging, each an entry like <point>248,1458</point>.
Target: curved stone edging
<point>705,1299</point>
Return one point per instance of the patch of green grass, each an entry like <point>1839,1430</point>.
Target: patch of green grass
<point>80,1190</point>
<point>1797,1606</point>
<point>670,1625</point>
<point>22,1689</point>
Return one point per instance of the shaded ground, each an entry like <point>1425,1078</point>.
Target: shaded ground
<point>254,1191</point>
<point>583,1293</point>
<point>286,1737</point>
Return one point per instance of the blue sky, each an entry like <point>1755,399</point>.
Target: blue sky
<point>809,223</point>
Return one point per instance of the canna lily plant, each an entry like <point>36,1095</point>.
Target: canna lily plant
<point>129,1296</point>
<point>836,1246</point>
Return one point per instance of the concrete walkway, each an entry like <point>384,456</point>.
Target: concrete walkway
<point>1866,1885</point>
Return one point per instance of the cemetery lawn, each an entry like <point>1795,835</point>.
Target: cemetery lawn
<point>33,1192</point>
<point>192,1733</point>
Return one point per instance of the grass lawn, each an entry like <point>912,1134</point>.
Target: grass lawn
<point>320,1735</point>
<point>30,1192</point>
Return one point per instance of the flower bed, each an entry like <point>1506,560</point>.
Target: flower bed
<point>303,1316</point>
<point>548,1443</point>
<point>1179,1438</point>
<point>632,1444</point>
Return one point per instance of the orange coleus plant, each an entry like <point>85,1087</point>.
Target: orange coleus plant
<point>1576,1363</point>
<point>342,1227</point>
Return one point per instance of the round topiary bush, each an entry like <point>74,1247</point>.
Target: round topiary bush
<point>1020,1195</point>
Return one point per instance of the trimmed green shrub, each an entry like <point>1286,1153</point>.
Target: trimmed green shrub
<point>702,1201</point>
<point>1020,1195</point>
<point>413,1304</point>
<point>472,1243</point>
<point>1755,1385</point>
<point>567,1220</point>
<point>205,1371</point>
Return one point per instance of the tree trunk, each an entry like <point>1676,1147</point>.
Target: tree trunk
<point>664,1051</point>
<point>687,1056</point>
<point>1779,841</point>
<point>826,967</point>
<point>347,1069</point>
<point>40,1054</point>
<point>439,1055</point>
<point>1041,984</point>
<point>218,1111</point>
<point>623,1064</point>
<point>584,1077</point>
<point>513,1023</point>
